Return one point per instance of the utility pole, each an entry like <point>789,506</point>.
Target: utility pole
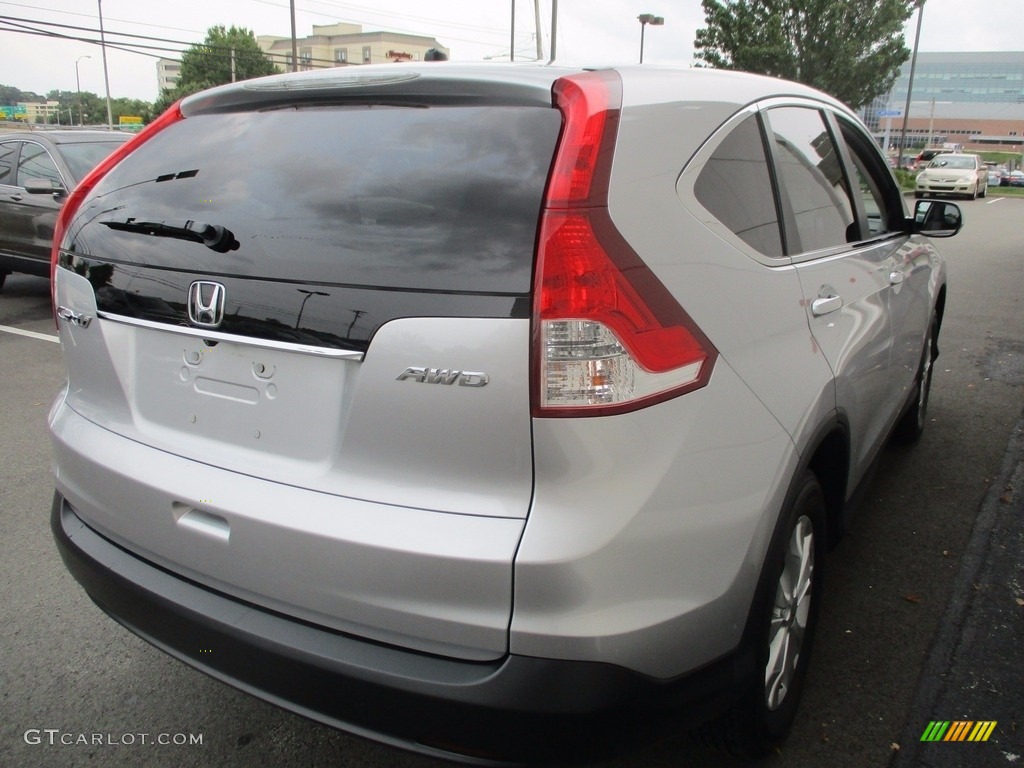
<point>106,77</point>
<point>536,26</point>
<point>554,29</point>
<point>295,45</point>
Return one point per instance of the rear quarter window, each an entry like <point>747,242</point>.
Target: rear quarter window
<point>735,186</point>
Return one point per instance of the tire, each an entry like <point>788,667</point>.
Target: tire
<point>984,192</point>
<point>910,427</point>
<point>782,624</point>
<point>918,195</point>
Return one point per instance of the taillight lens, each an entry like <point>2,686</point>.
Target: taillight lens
<point>608,335</point>
<point>91,179</point>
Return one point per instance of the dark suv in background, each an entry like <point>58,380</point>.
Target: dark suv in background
<point>38,169</point>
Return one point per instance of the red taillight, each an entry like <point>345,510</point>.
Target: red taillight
<point>608,336</point>
<point>91,179</point>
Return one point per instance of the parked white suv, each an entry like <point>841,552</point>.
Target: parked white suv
<point>497,412</point>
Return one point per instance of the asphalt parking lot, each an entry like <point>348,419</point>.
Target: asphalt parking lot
<point>923,616</point>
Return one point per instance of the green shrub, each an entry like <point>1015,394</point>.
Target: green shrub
<point>905,178</point>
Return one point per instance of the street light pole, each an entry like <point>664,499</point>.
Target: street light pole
<point>106,77</point>
<point>78,86</point>
<point>645,19</point>
<point>910,83</point>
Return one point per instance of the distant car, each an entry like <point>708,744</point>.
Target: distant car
<point>924,158</point>
<point>953,174</point>
<point>1016,179</point>
<point>38,169</point>
<point>995,177</point>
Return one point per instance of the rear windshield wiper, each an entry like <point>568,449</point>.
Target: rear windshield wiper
<point>213,236</point>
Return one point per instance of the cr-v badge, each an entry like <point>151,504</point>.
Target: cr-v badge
<point>445,376</point>
<point>206,303</point>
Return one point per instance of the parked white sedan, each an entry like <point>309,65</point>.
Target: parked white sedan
<point>953,174</point>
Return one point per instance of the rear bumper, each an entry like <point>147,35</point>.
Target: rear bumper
<point>513,710</point>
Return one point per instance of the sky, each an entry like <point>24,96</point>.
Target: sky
<point>589,32</point>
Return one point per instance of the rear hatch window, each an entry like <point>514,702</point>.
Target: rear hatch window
<point>325,222</point>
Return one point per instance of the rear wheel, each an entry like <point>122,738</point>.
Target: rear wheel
<point>910,427</point>
<point>784,617</point>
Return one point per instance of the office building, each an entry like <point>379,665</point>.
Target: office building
<point>971,99</point>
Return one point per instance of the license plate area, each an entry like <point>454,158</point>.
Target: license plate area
<point>222,393</point>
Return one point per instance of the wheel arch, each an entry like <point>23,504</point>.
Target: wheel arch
<point>829,459</point>
<point>940,310</point>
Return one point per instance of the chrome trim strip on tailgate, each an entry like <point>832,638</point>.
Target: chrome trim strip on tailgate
<point>302,349</point>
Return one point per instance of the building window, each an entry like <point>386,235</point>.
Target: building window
<point>341,55</point>
<point>366,54</point>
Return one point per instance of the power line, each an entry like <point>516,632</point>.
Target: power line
<point>424,19</point>
<point>92,16</point>
<point>392,29</point>
<point>408,17</point>
<point>26,30</point>
<point>218,51</point>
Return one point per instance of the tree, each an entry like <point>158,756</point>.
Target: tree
<point>210,63</point>
<point>852,49</point>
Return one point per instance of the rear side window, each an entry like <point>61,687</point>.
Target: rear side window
<point>736,188</point>
<point>7,152</point>
<point>83,157</point>
<point>382,196</point>
<point>36,163</point>
<point>811,176</point>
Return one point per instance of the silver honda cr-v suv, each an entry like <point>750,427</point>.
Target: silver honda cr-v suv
<point>489,411</point>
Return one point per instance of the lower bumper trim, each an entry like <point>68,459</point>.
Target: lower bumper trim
<point>511,711</point>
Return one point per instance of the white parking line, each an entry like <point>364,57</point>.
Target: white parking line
<point>30,334</point>
<point>994,200</point>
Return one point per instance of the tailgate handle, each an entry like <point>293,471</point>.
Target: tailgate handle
<point>202,522</point>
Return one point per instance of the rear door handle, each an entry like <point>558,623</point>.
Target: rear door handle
<point>825,305</point>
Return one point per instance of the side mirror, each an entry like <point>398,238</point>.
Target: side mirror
<point>44,187</point>
<point>936,218</point>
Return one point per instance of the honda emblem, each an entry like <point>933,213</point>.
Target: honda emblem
<point>206,303</point>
